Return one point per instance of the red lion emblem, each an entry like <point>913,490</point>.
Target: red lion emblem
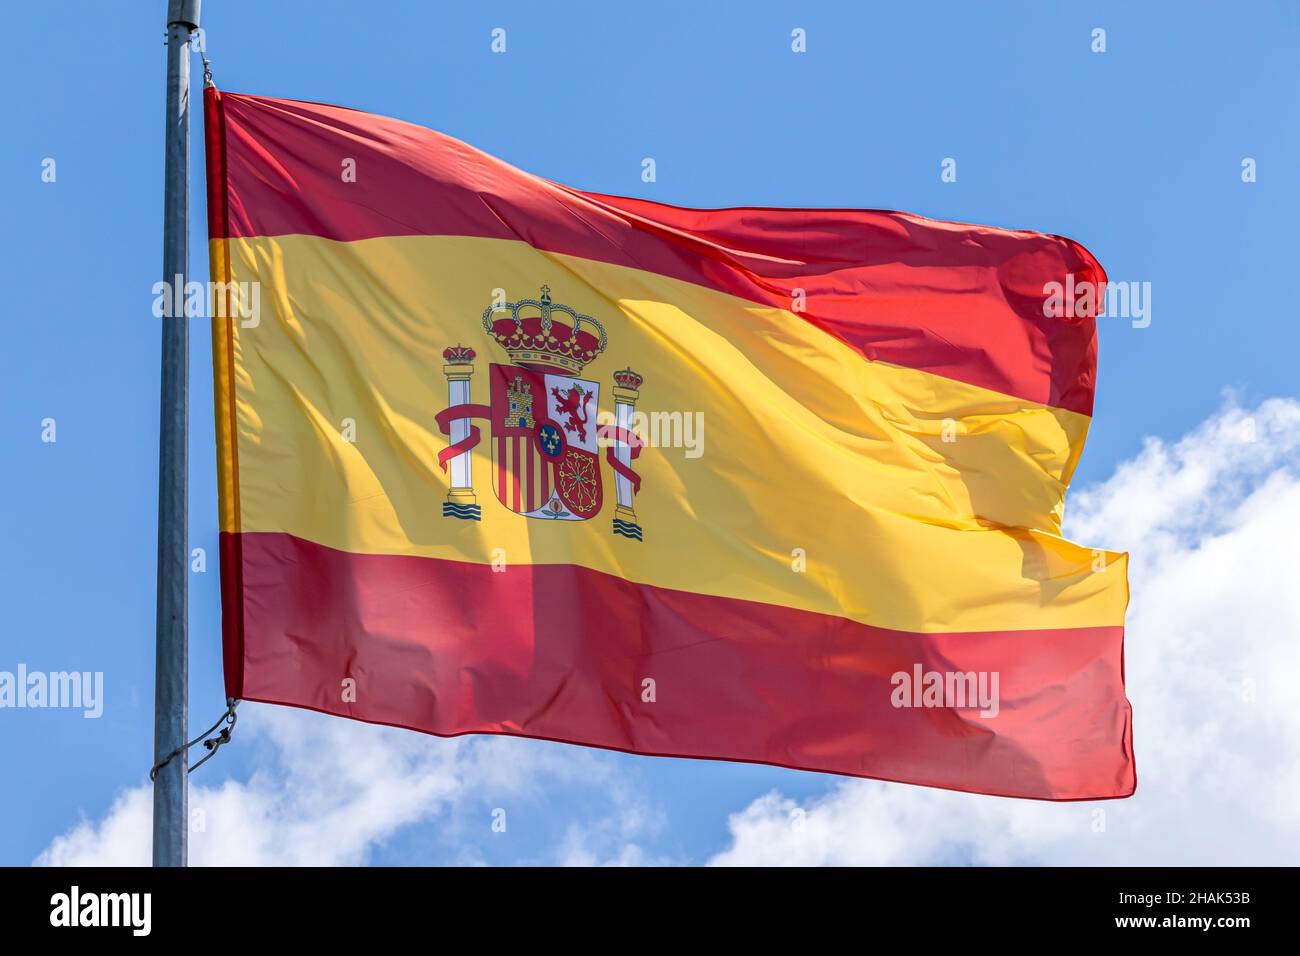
<point>573,403</point>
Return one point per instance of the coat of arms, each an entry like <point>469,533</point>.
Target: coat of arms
<point>545,439</point>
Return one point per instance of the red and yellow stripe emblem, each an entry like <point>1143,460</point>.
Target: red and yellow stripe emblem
<point>890,425</point>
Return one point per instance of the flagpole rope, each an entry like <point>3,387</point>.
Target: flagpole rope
<point>207,65</point>
<point>212,743</point>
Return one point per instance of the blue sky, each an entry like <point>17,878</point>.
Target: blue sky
<point>1136,152</point>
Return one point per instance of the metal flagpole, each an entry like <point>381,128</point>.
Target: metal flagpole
<point>171,675</point>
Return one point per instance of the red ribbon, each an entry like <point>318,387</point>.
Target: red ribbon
<point>455,414</point>
<point>617,434</point>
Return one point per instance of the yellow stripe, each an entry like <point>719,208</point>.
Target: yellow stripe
<point>224,344</point>
<point>904,491</point>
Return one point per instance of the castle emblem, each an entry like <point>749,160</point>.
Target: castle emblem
<point>545,441</point>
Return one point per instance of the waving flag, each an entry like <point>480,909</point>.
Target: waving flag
<point>773,485</point>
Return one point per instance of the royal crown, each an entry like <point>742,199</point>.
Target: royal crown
<point>458,355</point>
<point>626,378</point>
<point>539,333</point>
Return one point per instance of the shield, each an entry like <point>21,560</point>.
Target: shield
<point>545,461</point>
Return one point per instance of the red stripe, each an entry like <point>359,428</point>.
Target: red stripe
<point>560,652</point>
<point>516,469</point>
<point>960,301</point>
<point>503,490</point>
<point>215,155</point>
<point>532,474</point>
<point>230,547</point>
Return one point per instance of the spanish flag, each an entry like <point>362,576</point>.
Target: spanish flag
<point>770,485</point>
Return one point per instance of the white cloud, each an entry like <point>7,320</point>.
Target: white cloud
<point>1212,652</point>
<point>615,839</point>
<point>330,791</point>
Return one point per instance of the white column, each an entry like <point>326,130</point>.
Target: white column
<point>626,391</point>
<point>623,452</point>
<point>458,394</point>
<point>461,501</point>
